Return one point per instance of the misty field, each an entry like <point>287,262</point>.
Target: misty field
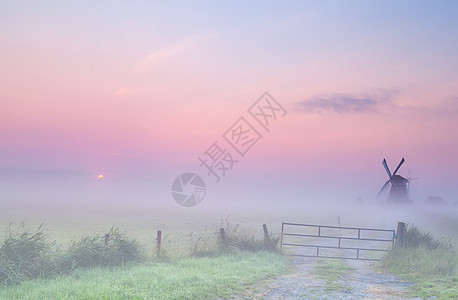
<point>191,264</point>
<point>67,221</point>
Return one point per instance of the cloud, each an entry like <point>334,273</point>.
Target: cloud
<point>161,54</point>
<point>345,103</point>
<point>183,45</point>
<point>391,102</point>
<point>125,92</point>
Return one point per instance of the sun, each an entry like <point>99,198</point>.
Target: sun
<point>100,176</point>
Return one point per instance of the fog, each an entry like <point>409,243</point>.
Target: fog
<point>138,93</point>
<point>66,204</point>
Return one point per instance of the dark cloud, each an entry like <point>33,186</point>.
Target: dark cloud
<point>343,104</point>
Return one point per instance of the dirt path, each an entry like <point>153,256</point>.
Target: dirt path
<point>363,283</point>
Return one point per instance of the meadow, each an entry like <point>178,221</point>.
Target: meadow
<point>188,278</point>
<point>192,263</point>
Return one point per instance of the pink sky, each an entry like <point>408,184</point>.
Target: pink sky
<point>145,89</point>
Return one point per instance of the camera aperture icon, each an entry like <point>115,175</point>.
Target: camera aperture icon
<point>188,189</point>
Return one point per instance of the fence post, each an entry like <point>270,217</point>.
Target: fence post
<point>223,237</point>
<point>281,236</point>
<point>107,240</point>
<point>158,243</point>
<point>400,234</point>
<point>266,233</point>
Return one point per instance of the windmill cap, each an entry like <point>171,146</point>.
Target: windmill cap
<point>398,179</point>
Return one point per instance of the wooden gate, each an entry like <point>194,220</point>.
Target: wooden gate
<point>335,242</point>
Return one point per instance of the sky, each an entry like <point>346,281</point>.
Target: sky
<point>138,91</point>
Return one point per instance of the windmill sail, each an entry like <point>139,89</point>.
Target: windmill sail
<point>383,188</point>
<point>400,164</point>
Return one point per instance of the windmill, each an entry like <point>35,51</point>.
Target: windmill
<point>399,191</point>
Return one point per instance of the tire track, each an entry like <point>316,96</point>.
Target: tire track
<point>363,283</point>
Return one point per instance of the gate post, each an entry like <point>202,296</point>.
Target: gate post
<point>400,233</point>
<point>266,233</point>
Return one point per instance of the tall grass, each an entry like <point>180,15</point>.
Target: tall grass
<point>112,249</point>
<point>28,255</point>
<point>237,238</point>
<point>98,267</point>
<point>415,238</point>
<point>431,263</point>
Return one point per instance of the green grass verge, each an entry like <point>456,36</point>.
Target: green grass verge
<point>28,255</point>
<point>332,271</point>
<point>189,278</point>
<point>431,264</point>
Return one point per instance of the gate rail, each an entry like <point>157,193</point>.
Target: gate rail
<point>319,234</point>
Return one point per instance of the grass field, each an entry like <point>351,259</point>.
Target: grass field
<point>190,231</point>
<point>195,265</point>
<point>188,278</point>
<point>434,272</point>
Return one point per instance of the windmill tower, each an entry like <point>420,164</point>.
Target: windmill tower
<point>399,191</point>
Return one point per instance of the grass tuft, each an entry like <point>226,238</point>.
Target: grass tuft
<point>112,249</point>
<point>415,238</point>
<point>431,263</point>
<point>237,238</point>
<point>25,255</point>
<point>28,255</point>
<point>333,272</point>
<point>241,239</point>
